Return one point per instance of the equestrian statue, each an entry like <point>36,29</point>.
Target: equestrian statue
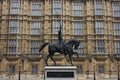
<point>65,48</point>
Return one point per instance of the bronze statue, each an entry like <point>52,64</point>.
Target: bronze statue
<point>58,47</point>
<point>61,47</point>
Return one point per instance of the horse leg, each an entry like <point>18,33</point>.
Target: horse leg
<point>53,60</point>
<point>47,59</point>
<point>66,57</point>
<point>76,54</point>
<point>70,59</point>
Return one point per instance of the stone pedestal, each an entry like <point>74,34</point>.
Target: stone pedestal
<point>60,73</point>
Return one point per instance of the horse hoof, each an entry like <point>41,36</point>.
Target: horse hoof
<point>46,64</point>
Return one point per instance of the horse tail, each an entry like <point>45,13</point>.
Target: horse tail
<point>43,46</point>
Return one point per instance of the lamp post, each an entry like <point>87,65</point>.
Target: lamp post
<point>94,72</point>
<point>111,57</point>
<point>21,64</point>
<point>110,73</point>
<point>19,72</point>
<point>87,72</point>
<point>118,71</point>
<point>89,57</point>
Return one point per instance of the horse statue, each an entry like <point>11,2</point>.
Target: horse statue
<point>63,48</point>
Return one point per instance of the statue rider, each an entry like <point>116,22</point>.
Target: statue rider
<point>60,39</point>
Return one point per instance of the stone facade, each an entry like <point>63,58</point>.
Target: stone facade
<point>26,24</point>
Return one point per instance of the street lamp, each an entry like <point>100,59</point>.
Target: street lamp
<point>110,72</point>
<point>111,57</point>
<point>87,72</point>
<point>89,61</point>
<point>94,72</point>
<point>19,72</point>
<point>21,64</point>
<point>118,71</point>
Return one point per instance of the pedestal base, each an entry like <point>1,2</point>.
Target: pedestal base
<point>60,73</point>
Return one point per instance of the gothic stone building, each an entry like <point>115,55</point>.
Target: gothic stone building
<point>26,24</point>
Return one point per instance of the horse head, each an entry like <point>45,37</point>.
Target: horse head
<point>76,44</point>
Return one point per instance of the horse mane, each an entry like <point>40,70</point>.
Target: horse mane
<point>70,41</point>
